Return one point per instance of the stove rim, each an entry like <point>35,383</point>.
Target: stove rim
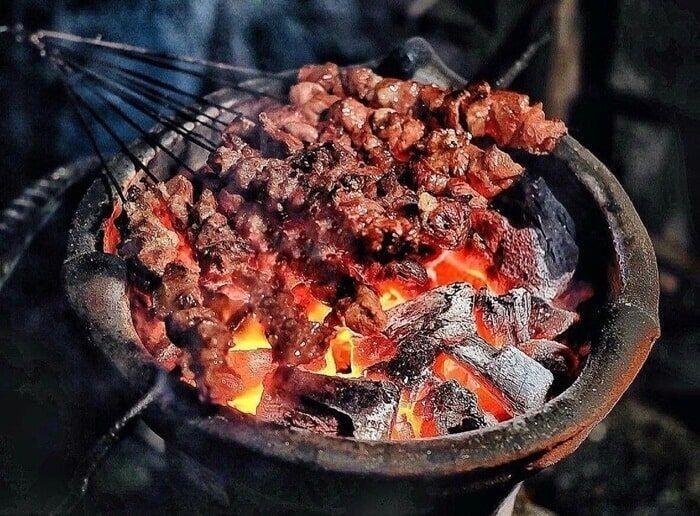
<point>628,329</point>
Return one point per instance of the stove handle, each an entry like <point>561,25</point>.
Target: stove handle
<point>27,214</point>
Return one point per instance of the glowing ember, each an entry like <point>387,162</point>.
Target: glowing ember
<point>449,369</point>
<point>407,410</point>
<point>250,335</point>
<point>339,358</point>
<point>390,298</point>
<point>248,401</point>
<point>453,266</point>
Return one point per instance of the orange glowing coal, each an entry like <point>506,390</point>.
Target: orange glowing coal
<point>349,354</point>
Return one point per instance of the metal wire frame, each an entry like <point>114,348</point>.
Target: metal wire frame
<point>106,81</point>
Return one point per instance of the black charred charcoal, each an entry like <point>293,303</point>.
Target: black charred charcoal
<point>548,321</point>
<point>294,413</point>
<point>531,203</point>
<point>558,358</point>
<point>443,313</point>
<point>450,408</point>
<point>521,379</point>
<point>518,316</point>
<point>364,409</point>
<point>413,361</point>
<point>503,319</point>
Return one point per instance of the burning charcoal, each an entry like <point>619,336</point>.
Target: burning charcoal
<point>447,409</point>
<point>517,256</point>
<point>556,357</point>
<point>517,317</point>
<point>287,410</point>
<point>548,321</point>
<point>444,313</point>
<point>364,408</point>
<point>530,203</point>
<point>522,380</point>
<point>412,363</point>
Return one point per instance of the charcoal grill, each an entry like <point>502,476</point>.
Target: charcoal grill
<point>280,469</point>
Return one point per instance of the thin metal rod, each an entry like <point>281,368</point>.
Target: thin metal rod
<point>122,86</point>
<point>507,78</point>
<point>101,121</point>
<point>148,137</point>
<point>107,443</point>
<point>128,97</point>
<point>145,80</point>
<point>141,51</point>
<point>93,142</point>
<point>168,100</point>
<point>169,87</point>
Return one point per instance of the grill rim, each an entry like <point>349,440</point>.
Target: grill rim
<point>629,326</point>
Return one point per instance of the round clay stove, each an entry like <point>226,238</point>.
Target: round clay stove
<point>287,468</point>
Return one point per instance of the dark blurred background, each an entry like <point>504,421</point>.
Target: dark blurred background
<point>623,74</point>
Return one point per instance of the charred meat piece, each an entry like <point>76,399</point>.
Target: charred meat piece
<point>511,121</point>
<point>233,150</point>
<point>446,153</point>
<point>151,242</point>
<point>400,131</point>
<point>180,198</point>
<point>449,408</point>
<point>198,331</point>
<point>396,94</point>
<point>360,82</point>
<point>364,315</point>
<point>179,289</point>
<point>294,339</point>
<point>445,222</point>
<point>364,409</point>
<point>288,127</point>
<point>327,75</point>
<point>408,272</point>
<point>220,249</point>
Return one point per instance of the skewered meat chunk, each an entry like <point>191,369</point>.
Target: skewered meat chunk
<point>511,121</point>
<point>179,200</point>
<point>207,341</point>
<point>150,241</point>
<point>179,289</point>
<point>327,75</point>
<point>360,82</point>
<point>276,258</point>
<point>365,315</point>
